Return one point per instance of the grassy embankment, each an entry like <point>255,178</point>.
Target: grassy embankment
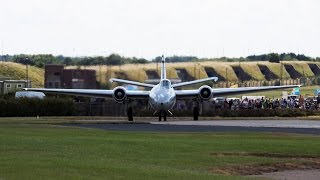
<point>18,71</point>
<point>137,72</point>
<point>33,151</point>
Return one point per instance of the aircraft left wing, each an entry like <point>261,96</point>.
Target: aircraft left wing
<point>216,92</point>
<point>233,91</point>
<point>91,92</point>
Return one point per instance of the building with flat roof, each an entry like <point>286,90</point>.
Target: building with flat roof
<point>56,76</point>
<point>7,86</point>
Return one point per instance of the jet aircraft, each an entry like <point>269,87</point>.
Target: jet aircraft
<point>162,97</point>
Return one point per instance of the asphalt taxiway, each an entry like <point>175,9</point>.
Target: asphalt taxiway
<point>277,126</point>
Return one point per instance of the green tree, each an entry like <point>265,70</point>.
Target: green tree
<point>274,57</point>
<point>114,59</point>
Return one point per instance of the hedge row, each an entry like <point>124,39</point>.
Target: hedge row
<point>11,107</point>
<point>254,113</point>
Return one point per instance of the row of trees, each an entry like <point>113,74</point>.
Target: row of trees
<point>275,57</point>
<point>40,60</point>
<point>177,59</point>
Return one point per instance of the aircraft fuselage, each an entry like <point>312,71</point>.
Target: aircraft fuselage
<point>162,97</point>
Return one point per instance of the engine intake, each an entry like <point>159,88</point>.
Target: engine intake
<point>119,94</point>
<point>205,93</point>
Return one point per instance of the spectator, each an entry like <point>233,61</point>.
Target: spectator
<point>230,103</point>
<point>301,101</point>
<point>318,101</point>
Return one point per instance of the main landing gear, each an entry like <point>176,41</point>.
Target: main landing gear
<point>163,114</point>
<point>130,114</point>
<point>196,113</point>
<point>197,109</point>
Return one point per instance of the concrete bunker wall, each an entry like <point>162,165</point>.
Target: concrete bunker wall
<point>212,73</point>
<point>294,74</point>
<point>269,75</point>
<point>241,74</point>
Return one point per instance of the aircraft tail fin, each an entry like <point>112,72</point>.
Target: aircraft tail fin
<point>163,68</point>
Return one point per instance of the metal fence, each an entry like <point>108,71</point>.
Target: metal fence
<point>253,83</point>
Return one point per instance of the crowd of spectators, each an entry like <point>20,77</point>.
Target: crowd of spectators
<point>311,103</point>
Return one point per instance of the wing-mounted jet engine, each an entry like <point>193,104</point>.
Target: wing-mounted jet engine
<point>119,94</point>
<point>205,93</point>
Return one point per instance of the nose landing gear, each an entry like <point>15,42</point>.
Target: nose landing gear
<point>163,114</point>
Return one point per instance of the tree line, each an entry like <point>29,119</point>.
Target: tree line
<point>40,60</point>
<point>275,57</point>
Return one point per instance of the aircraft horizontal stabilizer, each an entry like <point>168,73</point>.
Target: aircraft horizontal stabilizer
<point>194,82</point>
<point>131,82</point>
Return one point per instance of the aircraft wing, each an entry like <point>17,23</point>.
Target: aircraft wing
<point>131,82</point>
<point>233,91</point>
<point>91,92</point>
<point>194,82</point>
<point>189,94</point>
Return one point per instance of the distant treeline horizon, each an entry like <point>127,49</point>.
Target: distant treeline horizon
<point>40,60</point>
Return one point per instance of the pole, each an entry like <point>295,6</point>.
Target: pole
<point>281,72</point>
<point>100,75</point>
<point>27,74</point>
<point>27,71</point>
<point>2,50</point>
<point>199,71</point>
<point>240,80</point>
<point>227,74</point>
<point>304,79</point>
<point>194,70</point>
<point>226,77</point>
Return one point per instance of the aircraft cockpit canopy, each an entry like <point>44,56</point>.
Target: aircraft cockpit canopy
<point>165,83</point>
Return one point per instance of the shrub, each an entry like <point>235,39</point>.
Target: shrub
<point>12,107</point>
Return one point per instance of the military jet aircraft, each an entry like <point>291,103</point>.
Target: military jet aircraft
<point>162,97</point>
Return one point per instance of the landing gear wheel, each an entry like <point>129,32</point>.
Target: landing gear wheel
<point>164,114</point>
<point>195,113</point>
<point>160,116</point>
<point>130,114</point>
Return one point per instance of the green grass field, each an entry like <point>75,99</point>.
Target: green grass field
<point>43,151</point>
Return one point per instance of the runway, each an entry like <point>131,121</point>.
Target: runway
<point>276,126</point>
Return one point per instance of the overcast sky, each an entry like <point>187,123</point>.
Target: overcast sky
<point>149,28</point>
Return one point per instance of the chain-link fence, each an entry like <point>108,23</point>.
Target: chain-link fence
<point>309,81</point>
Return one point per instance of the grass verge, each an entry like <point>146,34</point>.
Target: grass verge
<point>33,151</point>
